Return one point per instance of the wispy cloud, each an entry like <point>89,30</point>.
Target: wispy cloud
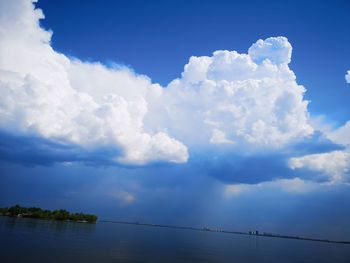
<point>124,198</point>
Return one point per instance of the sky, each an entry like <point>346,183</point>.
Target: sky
<point>230,114</point>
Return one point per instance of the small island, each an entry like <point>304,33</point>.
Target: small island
<point>35,212</point>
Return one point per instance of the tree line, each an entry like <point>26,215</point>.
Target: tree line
<point>36,212</point>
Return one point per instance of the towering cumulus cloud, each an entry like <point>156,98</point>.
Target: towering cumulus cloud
<point>249,100</point>
<point>46,93</point>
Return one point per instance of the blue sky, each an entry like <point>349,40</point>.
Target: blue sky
<point>156,38</point>
<point>183,112</point>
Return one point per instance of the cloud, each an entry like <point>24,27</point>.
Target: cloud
<point>65,100</point>
<point>341,135</point>
<point>335,164</point>
<point>224,163</point>
<point>276,49</point>
<point>228,97</point>
<point>295,186</point>
<point>219,137</point>
<point>124,198</point>
<point>250,102</point>
<point>230,167</point>
<point>32,150</point>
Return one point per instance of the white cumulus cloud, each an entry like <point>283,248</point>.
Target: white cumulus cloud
<point>335,164</point>
<point>250,100</point>
<point>228,97</point>
<point>47,93</point>
<point>347,76</point>
<point>276,49</point>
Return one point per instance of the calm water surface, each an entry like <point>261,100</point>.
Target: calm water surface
<point>30,240</point>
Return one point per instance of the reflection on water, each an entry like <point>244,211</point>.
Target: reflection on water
<point>57,227</point>
<point>31,240</point>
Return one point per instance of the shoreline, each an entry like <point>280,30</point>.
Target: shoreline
<point>250,233</point>
<point>50,219</point>
<point>204,229</point>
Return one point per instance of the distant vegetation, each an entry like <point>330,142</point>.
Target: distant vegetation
<point>35,212</point>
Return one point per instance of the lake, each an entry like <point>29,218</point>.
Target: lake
<point>30,240</point>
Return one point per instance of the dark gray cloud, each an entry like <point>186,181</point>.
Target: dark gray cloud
<point>34,150</point>
<point>228,166</point>
<point>222,162</point>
